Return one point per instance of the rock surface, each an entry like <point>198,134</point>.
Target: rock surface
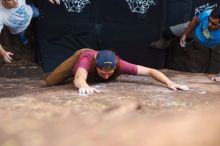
<point>131,111</point>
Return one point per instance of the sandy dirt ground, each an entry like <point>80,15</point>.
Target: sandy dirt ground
<point>131,111</point>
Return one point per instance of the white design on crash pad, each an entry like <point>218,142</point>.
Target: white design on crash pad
<point>140,6</point>
<point>75,5</point>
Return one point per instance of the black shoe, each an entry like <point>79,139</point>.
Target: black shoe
<point>27,45</point>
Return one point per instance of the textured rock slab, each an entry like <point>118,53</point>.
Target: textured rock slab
<point>130,111</point>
